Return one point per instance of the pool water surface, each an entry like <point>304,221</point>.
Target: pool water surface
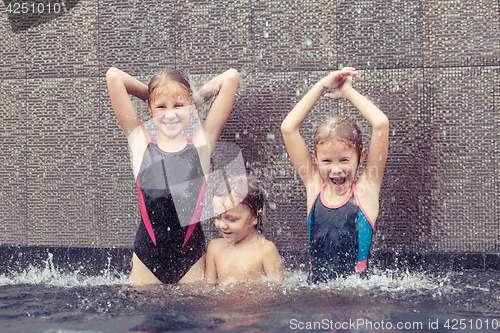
<point>45,300</point>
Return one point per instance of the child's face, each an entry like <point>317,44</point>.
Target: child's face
<point>170,108</point>
<point>337,162</point>
<point>234,222</point>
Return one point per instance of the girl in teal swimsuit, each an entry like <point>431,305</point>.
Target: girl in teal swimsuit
<point>341,209</point>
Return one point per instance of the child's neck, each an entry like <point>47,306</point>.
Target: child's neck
<point>334,199</point>
<point>171,145</point>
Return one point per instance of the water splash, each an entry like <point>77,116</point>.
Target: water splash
<point>51,276</point>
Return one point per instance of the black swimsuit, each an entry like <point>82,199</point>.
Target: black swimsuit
<point>171,187</point>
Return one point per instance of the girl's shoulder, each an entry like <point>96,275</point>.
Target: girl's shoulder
<point>267,246</point>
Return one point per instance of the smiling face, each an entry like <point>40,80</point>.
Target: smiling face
<point>234,222</point>
<point>337,162</point>
<point>170,108</point>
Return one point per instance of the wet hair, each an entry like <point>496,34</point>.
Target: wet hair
<point>341,129</point>
<point>244,190</point>
<point>168,76</point>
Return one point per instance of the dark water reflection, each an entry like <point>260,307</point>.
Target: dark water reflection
<point>103,304</point>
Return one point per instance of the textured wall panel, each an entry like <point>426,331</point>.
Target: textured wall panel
<point>212,37</point>
<point>13,162</point>
<point>62,156</point>
<point>297,34</point>
<point>136,36</point>
<point>12,46</point>
<point>461,33</point>
<point>65,46</point>
<point>379,34</point>
<point>461,158</point>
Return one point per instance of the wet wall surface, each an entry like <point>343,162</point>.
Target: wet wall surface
<point>432,66</point>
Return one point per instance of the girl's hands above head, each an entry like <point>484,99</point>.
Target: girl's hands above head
<point>340,80</point>
<point>341,92</point>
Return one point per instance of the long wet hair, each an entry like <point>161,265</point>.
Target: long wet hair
<point>244,190</point>
<point>168,76</point>
<point>341,129</point>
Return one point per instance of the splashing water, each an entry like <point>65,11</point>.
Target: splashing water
<point>49,300</point>
<point>50,276</point>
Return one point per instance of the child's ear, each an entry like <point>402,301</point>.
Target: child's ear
<point>148,108</point>
<point>257,219</point>
<point>362,157</point>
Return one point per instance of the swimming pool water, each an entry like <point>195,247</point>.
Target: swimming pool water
<point>45,300</point>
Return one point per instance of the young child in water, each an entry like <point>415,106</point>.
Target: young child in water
<point>242,254</point>
<point>170,169</point>
<point>341,209</point>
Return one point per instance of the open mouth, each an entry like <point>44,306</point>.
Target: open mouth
<point>338,181</point>
<point>226,234</point>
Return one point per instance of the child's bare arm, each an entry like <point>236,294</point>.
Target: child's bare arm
<point>210,269</point>
<point>296,147</point>
<point>379,143</point>
<point>120,85</point>
<point>225,87</point>
<point>272,263</point>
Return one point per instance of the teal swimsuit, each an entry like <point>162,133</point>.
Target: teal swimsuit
<point>339,237</point>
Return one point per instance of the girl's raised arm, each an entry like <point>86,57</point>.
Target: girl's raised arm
<point>379,143</point>
<point>225,87</point>
<point>120,85</point>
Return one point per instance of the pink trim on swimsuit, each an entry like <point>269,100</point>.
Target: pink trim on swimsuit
<point>144,213</point>
<point>322,190</point>
<point>361,266</point>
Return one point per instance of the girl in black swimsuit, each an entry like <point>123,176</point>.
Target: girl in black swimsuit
<point>170,169</point>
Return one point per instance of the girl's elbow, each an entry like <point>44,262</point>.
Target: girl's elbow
<point>382,123</point>
<point>232,75</point>
<point>112,74</point>
<point>286,128</point>
<point>112,71</point>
